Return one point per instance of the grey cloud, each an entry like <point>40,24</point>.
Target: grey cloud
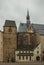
<point>17,10</point>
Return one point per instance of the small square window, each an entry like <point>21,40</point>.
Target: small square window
<point>37,52</point>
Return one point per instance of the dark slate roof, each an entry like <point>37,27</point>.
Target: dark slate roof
<point>9,23</point>
<point>22,27</point>
<point>25,54</point>
<point>25,47</point>
<point>38,27</point>
<point>28,47</point>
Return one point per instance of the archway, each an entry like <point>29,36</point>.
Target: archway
<point>10,60</point>
<point>38,58</point>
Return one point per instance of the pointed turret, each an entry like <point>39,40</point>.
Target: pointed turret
<point>28,18</point>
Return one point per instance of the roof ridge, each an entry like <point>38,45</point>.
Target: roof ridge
<point>37,24</point>
<point>22,23</point>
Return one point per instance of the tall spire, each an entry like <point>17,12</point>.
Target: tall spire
<point>28,14</point>
<point>28,17</point>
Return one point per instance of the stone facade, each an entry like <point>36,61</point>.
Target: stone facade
<point>23,58</point>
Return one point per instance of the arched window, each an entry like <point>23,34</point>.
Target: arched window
<point>23,57</point>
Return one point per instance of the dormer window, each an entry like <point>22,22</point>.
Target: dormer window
<point>10,30</point>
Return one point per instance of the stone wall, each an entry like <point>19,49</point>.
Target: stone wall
<point>10,43</point>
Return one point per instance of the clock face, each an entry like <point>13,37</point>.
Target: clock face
<point>10,30</point>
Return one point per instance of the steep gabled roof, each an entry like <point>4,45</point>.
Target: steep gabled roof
<point>38,28</point>
<point>10,23</point>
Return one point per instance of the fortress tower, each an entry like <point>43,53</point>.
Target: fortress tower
<point>10,41</point>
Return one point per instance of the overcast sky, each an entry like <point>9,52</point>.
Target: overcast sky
<point>17,10</point>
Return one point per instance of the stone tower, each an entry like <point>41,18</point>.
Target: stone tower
<point>10,41</point>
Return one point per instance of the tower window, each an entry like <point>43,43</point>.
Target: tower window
<point>10,30</point>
